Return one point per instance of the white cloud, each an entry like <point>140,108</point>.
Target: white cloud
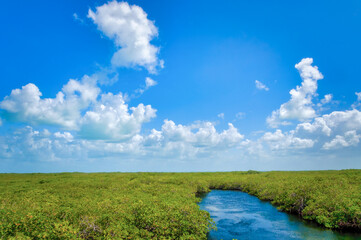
<point>66,135</point>
<point>261,86</point>
<point>132,32</point>
<point>77,108</point>
<point>337,122</point>
<point>324,101</point>
<point>221,115</point>
<point>106,76</point>
<point>201,135</point>
<point>335,130</point>
<point>300,106</point>
<point>319,126</point>
<point>358,94</point>
<point>358,101</point>
<point>148,84</point>
<point>110,119</point>
<point>77,18</point>
<point>196,140</point>
<point>286,141</point>
<point>274,120</point>
<point>327,98</point>
<point>349,139</point>
<point>27,144</point>
<point>26,104</point>
<point>178,142</point>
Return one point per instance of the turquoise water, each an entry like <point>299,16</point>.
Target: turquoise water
<point>239,215</point>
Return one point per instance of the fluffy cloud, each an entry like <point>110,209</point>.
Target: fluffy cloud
<point>324,101</point>
<point>132,32</point>
<point>26,104</point>
<point>300,106</point>
<point>285,141</point>
<point>28,144</point>
<point>319,126</point>
<point>65,135</point>
<point>199,140</point>
<point>110,119</point>
<point>77,107</point>
<point>335,130</point>
<point>178,141</point>
<point>261,86</point>
<point>327,98</point>
<point>148,84</point>
<point>201,134</point>
<point>329,131</point>
<point>349,139</point>
<point>337,122</point>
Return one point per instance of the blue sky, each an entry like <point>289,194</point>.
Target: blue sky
<point>180,86</point>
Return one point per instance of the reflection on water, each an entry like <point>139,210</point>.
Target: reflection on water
<point>239,215</point>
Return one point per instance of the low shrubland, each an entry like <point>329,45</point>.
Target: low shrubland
<point>163,205</point>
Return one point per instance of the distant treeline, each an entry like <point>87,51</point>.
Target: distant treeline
<point>163,205</point>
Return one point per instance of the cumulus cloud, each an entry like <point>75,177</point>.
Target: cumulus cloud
<point>300,106</point>
<point>110,119</point>
<point>337,129</point>
<point>336,122</point>
<point>318,126</point>
<point>26,104</point>
<point>196,140</point>
<point>78,107</point>
<point>65,135</point>
<point>327,98</point>
<point>201,135</point>
<point>329,131</point>
<point>28,144</point>
<point>176,141</point>
<point>261,86</point>
<point>274,120</point>
<point>351,138</point>
<point>132,32</point>
<point>173,140</point>
<point>179,141</point>
<point>279,140</point>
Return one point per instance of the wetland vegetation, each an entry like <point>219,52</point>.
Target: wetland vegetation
<point>164,205</point>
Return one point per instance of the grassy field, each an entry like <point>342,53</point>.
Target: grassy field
<point>163,205</point>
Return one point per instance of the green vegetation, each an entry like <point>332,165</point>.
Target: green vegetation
<point>163,205</point>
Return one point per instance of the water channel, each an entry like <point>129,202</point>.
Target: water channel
<point>239,215</point>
